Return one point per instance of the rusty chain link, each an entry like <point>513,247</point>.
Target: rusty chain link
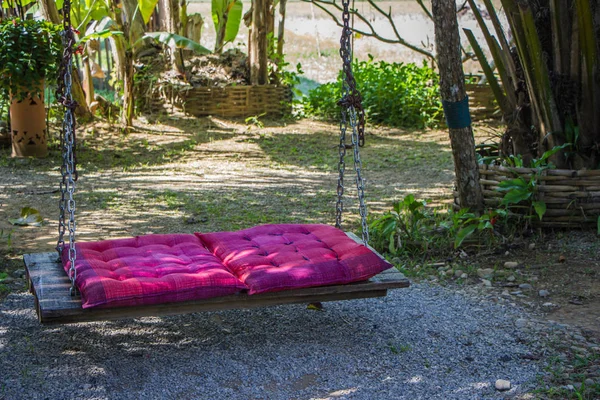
<point>67,143</point>
<point>353,117</point>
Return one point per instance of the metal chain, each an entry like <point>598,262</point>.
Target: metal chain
<point>353,116</point>
<point>67,141</point>
<point>351,95</point>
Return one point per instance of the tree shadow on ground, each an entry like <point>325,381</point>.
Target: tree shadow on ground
<point>320,150</point>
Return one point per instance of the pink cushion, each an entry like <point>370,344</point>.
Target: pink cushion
<point>149,269</point>
<point>270,258</point>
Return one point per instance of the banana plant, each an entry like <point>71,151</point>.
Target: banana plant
<point>227,17</point>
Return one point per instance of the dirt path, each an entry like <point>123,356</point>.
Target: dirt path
<point>210,174</point>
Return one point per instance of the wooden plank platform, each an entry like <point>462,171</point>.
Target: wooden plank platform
<point>50,285</point>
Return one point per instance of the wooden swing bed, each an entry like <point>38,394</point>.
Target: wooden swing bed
<point>261,266</point>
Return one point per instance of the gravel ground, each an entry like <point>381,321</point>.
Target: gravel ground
<point>425,342</point>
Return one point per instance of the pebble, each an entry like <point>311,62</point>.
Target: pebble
<point>531,246</point>
<point>486,283</point>
<point>502,385</point>
<point>589,382</point>
<point>511,278</point>
<point>464,276</point>
<point>549,305</point>
<point>521,323</point>
<point>458,273</point>
<point>511,264</point>
<point>579,338</point>
<point>485,272</point>
<point>525,286</point>
<point>544,293</point>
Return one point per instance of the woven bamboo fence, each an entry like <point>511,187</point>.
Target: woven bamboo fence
<point>572,197</point>
<point>482,103</point>
<point>228,101</point>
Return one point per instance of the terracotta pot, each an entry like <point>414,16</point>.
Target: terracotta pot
<point>28,127</point>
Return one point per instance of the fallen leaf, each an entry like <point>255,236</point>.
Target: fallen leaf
<point>29,217</point>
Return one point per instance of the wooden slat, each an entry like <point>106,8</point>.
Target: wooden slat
<point>50,286</point>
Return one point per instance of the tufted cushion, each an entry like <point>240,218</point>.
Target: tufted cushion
<point>149,269</point>
<point>270,258</point>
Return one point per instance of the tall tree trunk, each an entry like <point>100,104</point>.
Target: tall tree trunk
<point>124,65</point>
<point>281,27</point>
<point>452,89</point>
<point>50,13</point>
<point>258,40</point>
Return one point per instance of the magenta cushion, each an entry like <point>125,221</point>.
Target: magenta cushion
<point>149,269</point>
<point>270,258</point>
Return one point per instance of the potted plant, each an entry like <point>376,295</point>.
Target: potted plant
<point>30,52</point>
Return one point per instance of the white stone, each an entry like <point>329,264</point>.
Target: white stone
<point>502,384</point>
<point>511,264</point>
<point>544,293</point>
<point>486,283</point>
<point>511,278</point>
<point>458,273</point>
<point>531,246</point>
<point>548,305</point>
<point>464,276</point>
<point>485,272</point>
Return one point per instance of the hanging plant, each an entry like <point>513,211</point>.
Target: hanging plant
<point>30,52</point>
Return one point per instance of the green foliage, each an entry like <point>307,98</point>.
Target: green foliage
<point>174,40</point>
<point>278,73</point>
<point>404,227</point>
<point>146,8</point>
<point>469,223</point>
<point>395,94</point>
<point>29,53</point>
<point>521,191</point>
<point>227,17</point>
<point>410,228</point>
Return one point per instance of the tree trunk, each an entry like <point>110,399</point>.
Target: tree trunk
<point>88,81</point>
<point>169,21</point>
<point>124,67</point>
<point>281,27</point>
<point>50,13</point>
<point>258,43</point>
<point>452,89</point>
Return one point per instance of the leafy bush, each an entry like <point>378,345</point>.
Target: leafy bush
<point>412,229</point>
<point>395,94</point>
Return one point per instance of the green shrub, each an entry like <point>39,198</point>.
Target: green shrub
<point>395,94</point>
